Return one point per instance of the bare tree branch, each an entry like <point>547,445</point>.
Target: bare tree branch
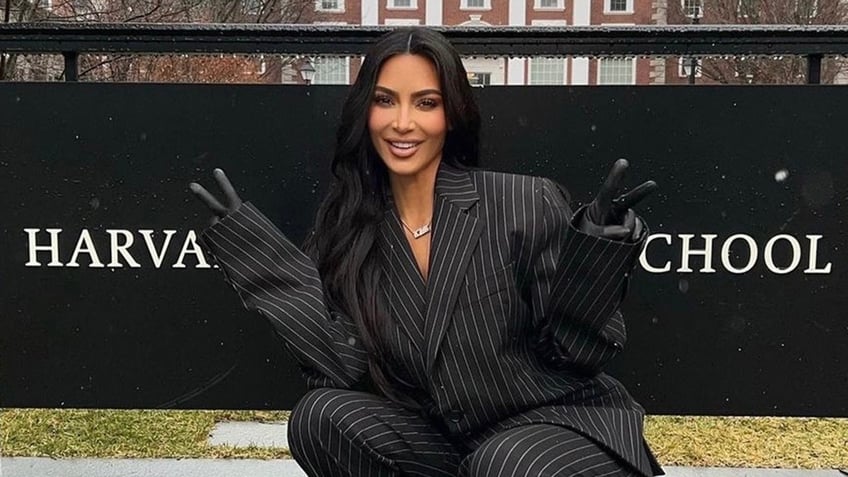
<point>165,68</point>
<point>781,70</point>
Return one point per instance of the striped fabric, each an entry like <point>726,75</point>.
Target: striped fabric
<point>511,331</point>
<point>336,432</point>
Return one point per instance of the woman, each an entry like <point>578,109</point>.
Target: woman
<point>449,321</point>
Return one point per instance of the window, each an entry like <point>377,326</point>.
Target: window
<point>547,71</point>
<point>616,71</point>
<point>618,6</point>
<point>479,79</point>
<point>329,5</point>
<point>330,70</point>
<point>684,66</point>
<point>485,71</point>
<point>549,5</point>
<point>475,4</point>
<point>402,4</point>
<point>693,8</point>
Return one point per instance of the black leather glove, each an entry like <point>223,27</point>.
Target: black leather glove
<point>611,217</point>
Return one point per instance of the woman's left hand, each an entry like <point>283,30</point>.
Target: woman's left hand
<point>610,214</point>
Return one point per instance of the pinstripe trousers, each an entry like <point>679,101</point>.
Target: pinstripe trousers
<point>335,432</point>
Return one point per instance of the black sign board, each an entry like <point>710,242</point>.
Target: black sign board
<point>108,301</point>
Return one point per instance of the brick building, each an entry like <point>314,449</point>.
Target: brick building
<point>504,71</point>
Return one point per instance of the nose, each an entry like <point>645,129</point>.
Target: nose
<point>404,121</point>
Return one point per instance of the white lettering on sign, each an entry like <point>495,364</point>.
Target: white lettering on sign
<point>119,245</point>
<point>702,246</point>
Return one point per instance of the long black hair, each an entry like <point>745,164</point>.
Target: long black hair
<point>344,236</point>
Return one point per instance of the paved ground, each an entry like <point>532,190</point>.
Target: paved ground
<point>243,434</point>
<point>45,467</point>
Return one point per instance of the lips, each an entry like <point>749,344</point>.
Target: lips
<point>403,148</point>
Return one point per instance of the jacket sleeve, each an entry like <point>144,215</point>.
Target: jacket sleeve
<point>577,286</point>
<point>275,278</point>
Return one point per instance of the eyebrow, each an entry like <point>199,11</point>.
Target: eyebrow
<point>417,94</point>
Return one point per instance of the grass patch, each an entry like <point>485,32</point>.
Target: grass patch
<point>691,441</point>
<point>124,433</point>
<point>802,443</point>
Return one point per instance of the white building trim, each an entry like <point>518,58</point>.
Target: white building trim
<point>433,12</point>
<point>582,16</point>
<point>370,12</point>
<point>517,13</point>
<point>402,21</point>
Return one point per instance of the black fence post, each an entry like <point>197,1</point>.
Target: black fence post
<point>71,72</point>
<point>814,62</point>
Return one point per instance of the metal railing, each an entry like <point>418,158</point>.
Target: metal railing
<point>73,39</point>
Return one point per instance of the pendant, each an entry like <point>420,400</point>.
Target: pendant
<point>420,232</point>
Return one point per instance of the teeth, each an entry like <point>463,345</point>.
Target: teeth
<point>404,145</point>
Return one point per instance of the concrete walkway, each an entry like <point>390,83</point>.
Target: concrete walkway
<point>46,467</point>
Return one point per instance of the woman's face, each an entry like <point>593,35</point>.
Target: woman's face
<point>407,117</point>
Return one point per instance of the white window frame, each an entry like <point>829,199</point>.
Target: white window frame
<point>686,11</point>
<point>494,67</point>
<point>346,70</point>
<point>402,21</point>
<point>559,7</point>
<point>609,11</point>
<point>390,5</point>
<point>489,73</point>
<point>683,67</point>
<point>633,61</point>
<point>487,5</point>
<point>339,9</point>
<point>530,71</point>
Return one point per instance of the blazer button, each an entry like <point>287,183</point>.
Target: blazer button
<point>455,416</point>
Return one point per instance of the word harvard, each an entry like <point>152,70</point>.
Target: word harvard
<point>119,245</point>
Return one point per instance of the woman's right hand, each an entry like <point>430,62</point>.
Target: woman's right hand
<point>231,199</point>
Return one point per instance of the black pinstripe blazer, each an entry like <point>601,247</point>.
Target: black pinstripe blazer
<point>514,325</point>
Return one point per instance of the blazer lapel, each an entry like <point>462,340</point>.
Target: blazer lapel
<point>455,237</point>
<point>404,285</point>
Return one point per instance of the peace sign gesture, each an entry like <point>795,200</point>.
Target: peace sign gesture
<point>610,216</point>
<point>233,202</point>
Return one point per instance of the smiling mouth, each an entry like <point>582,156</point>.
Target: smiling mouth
<point>403,145</point>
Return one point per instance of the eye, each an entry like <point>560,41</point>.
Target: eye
<point>428,103</point>
<point>383,100</point>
